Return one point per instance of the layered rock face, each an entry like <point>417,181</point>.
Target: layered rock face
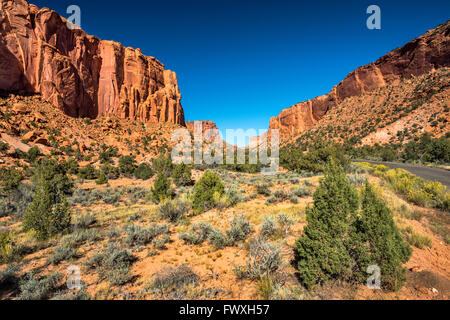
<point>81,74</point>
<point>420,56</point>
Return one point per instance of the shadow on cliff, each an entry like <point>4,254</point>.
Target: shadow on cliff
<point>12,78</point>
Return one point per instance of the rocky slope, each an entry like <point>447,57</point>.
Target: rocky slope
<point>81,74</point>
<point>418,57</point>
<point>27,122</point>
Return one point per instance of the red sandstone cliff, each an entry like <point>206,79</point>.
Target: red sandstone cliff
<point>79,73</point>
<point>420,56</point>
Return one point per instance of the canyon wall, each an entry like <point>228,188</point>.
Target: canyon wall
<point>81,74</point>
<point>420,56</point>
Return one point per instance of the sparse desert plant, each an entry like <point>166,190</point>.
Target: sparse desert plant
<point>163,164</point>
<point>85,221</point>
<point>239,230</point>
<point>264,260</point>
<point>173,210</point>
<point>205,190</point>
<point>62,254</point>
<point>33,288</point>
<point>161,189</point>
<point>173,279</point>
<point>88,173</point>
<point>182,175</point>
<point>217,239</point>
<point>357,180</point>
<point>263,189</point>
<point>268,227</point>
<point>143,172</point>
<point>302,192</point>
<point>139,236</point>
<point>7,246</point>
<point>197,234</point>
<point>285,222</point>
<point>9,276</point>
<point>417,240</point>
<point>127,165</point>
<point>113,265</point>
<point>102,179</point>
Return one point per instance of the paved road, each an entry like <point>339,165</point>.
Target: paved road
<point>427,173</point>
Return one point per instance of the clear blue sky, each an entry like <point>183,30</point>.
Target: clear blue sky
<point>239,62</point>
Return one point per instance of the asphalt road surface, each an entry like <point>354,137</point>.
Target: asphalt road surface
<point>427,173</point>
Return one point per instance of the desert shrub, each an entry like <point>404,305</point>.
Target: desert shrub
<point>264,260</point>
<point>417,240</point>
<point>239,230</point>
<point>217,239</point>
<point>160,243</point>
<point>111,198</point>
<point>302,192</point>
<point>143,172</point>
<point>33,288</point>
<point>357,179</point>
<point>33,154</point>
<point>4,147</point>
<point>173,279</point>
<point>85,197</point>
<point>375,240</point>
<point>9,276</point>
<point>271,200</point>
<point>62,254</point>
<point>113,265</point>
<point>263,189</point>
<point>268,227</point>
<point>231,198</point>
<point>294,159</point>
<point>205,189</point>
<point>17,200</point>
<point>173,210</point>
<point>110,171</point>
<point>285,223</point>
<point>293,199</point>
<point>163,164</point>
<point>417,190</point>
<point>197,234</point>
<point>49,213</point>
<point>182,175</point>
<point>84,221</point>
<point>161,189</point>
<point>80,236</point>
<point>80,295</point>
<point>127,165</point>
<point>102,179</point>
<point>88,173</point>
<point>10,179</point>
<point>321,253</point>
<point>6,246</point>
<point>139,236</point>
<point>107,153</point>
<point>416,215</point>
<point>280,195</point>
